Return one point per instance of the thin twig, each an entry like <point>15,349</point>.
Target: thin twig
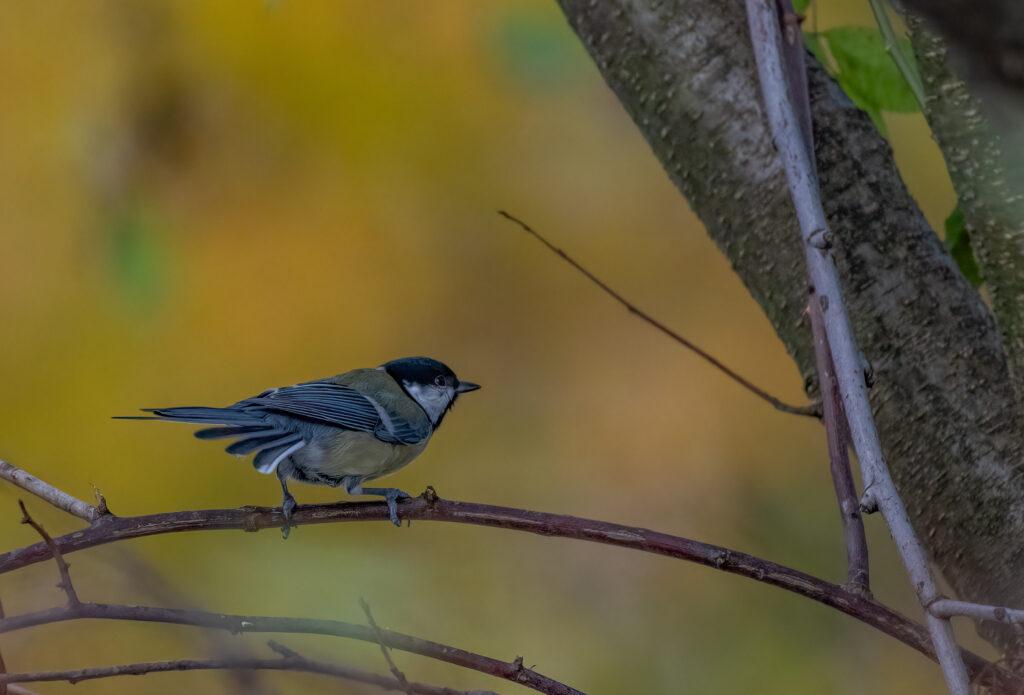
<point>837,435</point>
<point>275,664</point>
<point>39,488</point>
<point>235,624</point>
<point>65,576</point>
<point>892,45</point>
<point>849,363</point>
<point>430,508</point>
<point>812,410</point>
<point>948,608</point>
<point>395,671</point>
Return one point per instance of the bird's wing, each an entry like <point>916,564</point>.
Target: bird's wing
<point>341,406</point>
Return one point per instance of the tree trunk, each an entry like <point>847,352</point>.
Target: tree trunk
<point>946,410</point>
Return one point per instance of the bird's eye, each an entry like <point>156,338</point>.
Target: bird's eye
<point>439,380</point>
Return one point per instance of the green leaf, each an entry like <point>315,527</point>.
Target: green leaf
<point>867,72</point>
<point>800,6</point>
<point>958,241</point>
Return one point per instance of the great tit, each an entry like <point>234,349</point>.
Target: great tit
<point>341,431</point>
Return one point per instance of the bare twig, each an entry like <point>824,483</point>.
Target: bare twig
<point>812,410</point>
<point>836,432</point>
<point>39,488</point>
<point>395,671</point>
<point>849,363</point>
<point>430,508</point>
<point>948,608</point>
<point>275,664</point>
<point>65,576</point>
<point>510,671</point>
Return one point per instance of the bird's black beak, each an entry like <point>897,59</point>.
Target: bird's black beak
<point>466,387</point>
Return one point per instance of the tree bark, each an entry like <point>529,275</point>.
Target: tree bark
<point>945,407</point>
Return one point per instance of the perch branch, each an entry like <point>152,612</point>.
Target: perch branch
<point>809,410</point>
<point>850,365</point>
<point>429,507</point>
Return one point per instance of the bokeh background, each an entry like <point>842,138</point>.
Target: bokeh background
<point>202,200</point>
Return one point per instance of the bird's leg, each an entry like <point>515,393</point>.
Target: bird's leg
<point>354,486</point>
<point>288,503</point>
<point>391,496</point>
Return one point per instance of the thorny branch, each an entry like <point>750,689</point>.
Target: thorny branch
<point>812,410</point>
<point>783,109</point>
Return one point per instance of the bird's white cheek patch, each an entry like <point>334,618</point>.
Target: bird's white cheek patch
<point>432,399</point>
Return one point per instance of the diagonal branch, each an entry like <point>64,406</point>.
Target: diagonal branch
<point>291,663</point>
<point>810,410</point>
<point>395,671</point>
<point>429,507</point>
<point>42,489</point>
<point>849,364</point>
<point>65,576</point>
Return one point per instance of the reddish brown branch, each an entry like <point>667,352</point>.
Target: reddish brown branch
<point>290,663</point>
<point>809,410</point>
<point>837,435</point>
<point>512,671</point>
<point>428,507</point>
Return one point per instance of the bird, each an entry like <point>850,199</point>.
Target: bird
<point>341,431</point>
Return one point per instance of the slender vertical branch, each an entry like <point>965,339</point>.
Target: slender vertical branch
<point>849,363</point>
<point>837,434</point>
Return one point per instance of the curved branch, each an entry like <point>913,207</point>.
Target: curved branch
<point>428,507</point>
<point>293,663</point>
<point>513,671</point>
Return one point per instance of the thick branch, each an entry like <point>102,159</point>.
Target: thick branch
<point>945,408</point>
<point>990,198</point>
<point>429,508</point>
<point>989,33</point>
<point>275,664</point>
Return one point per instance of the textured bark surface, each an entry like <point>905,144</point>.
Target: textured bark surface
<point>989,33</point>
<point>991,199</point>
<point>946,412</point>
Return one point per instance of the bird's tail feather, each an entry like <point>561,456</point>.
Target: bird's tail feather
<point>268,459</point>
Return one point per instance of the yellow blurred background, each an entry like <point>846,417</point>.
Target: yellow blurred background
<point>202,200</point>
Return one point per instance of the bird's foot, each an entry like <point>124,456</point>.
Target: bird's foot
<point>288,506</point>
<point>391,495</point>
